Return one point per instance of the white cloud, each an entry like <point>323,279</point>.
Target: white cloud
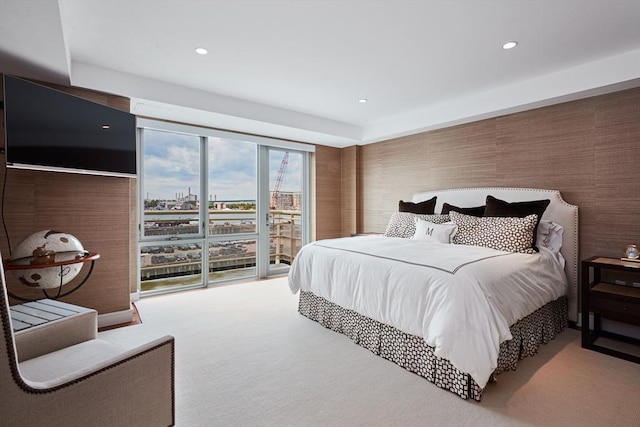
<point>172,166</point>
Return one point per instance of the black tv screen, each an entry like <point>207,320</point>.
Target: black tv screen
<point>52,130</point>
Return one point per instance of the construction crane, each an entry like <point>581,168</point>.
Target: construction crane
<point>279,179</point>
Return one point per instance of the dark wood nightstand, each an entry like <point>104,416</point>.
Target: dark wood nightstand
<point>609,300</point>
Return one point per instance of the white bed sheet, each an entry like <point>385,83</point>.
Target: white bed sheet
<point>460,299</point>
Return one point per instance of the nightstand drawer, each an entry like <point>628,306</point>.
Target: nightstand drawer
<point>623,311</point>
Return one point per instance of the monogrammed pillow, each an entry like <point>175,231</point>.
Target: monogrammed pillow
<point>509,234</point>
<point>403,224</point>
<point>433,232</point>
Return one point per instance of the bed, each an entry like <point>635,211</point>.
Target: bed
<point>455,298</point>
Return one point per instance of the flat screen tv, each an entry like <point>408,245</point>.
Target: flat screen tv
<point>47,129</point>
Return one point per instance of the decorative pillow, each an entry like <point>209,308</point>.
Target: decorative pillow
<point>475,211</point>
<point>511,234</point>
<point>426,207</point>
<point>550,235</point>
<point>497,207</point>
<point>433,232</point>
<point>403,224</point>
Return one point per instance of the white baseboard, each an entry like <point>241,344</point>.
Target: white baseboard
<point>115,318</point>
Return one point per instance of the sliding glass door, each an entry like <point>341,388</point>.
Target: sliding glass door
<point>286,207</point>
<point>229,205</point>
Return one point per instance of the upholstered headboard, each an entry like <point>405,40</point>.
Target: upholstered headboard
<point>558,211</point>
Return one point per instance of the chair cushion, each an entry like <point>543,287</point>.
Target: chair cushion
<point>69,362</point>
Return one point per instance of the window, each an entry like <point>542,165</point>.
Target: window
<point>170,184</point>
<point>233,203</point>
<point>232,214</point>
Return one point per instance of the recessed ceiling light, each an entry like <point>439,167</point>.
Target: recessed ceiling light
<point>509,45</point>
<point>106,127</point>
<point>201,51</point>
<point>362,100</point>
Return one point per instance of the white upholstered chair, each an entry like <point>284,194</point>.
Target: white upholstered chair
<point>64,374</point>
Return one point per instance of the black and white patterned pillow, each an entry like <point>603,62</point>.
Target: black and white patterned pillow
<point>403,224</point>
<point>509,234</point>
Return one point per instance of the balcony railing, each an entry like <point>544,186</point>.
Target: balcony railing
<point>175,259</point>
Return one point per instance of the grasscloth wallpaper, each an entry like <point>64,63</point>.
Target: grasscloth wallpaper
<point>588,149</point>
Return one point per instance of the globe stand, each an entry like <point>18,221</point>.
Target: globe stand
<point>21,265</point>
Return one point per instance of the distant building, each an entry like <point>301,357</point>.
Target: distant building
<point>289,201</point>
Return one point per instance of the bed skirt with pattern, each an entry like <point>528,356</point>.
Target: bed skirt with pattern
<point>412,353</point>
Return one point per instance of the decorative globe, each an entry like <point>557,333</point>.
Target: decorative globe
<point>47,247</point>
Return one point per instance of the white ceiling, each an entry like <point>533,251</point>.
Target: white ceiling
<point>296,69</point>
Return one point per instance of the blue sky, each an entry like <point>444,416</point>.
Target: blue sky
<point>171,166</point>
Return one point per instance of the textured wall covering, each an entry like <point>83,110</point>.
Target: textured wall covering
<point>350,182</point>
<point>588,149</point>
<point>98,210</point>
<point>326,204</point>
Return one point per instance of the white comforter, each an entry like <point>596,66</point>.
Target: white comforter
<point>461,299</point>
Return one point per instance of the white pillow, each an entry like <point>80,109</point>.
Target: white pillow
<point>403,224</point>
<point>430,231</point>
<point>550,235</point>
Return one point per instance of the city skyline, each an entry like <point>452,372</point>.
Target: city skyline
<point>184,196</point>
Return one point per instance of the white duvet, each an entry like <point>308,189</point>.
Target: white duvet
<point>461,299</point>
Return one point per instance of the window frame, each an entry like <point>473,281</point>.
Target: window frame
<point>262,200</point>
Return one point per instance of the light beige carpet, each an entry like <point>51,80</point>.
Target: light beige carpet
<point>245,357</point>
